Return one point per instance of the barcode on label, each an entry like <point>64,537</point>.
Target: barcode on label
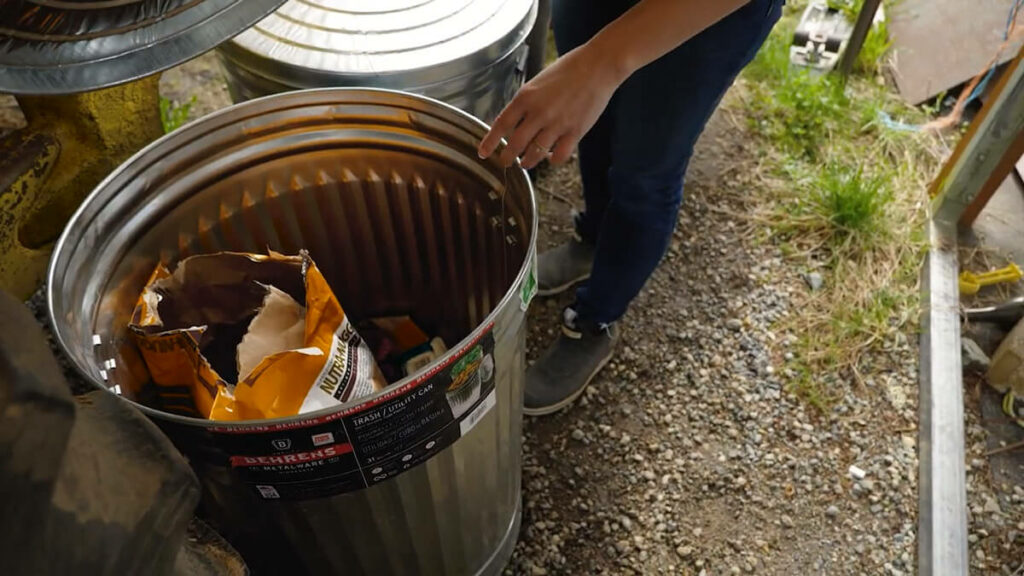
<point>479,412</point>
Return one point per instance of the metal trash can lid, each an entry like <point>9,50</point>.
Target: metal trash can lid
<point>65,46</point>
<point>399,43</point>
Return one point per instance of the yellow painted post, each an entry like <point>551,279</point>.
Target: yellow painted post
<point>71,142</point>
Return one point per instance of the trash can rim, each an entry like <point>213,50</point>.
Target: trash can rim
<point>54,272</point>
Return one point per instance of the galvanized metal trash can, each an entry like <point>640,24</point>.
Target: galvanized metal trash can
<point>469,53</point>
<point>386,191</point>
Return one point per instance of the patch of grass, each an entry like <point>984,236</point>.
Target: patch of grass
<point>790,106</point>
<point>846,198</point>
<point>849,8</point>
<point>852,202</point>
<point>174,116</point>
<point>876,44</point>
<point>838,209</point>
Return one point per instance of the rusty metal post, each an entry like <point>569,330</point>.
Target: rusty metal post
<point>860,33</point>
<point>71,142</point>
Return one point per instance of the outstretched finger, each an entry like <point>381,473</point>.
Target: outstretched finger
<point>503,125</point>
<point>520,140</point>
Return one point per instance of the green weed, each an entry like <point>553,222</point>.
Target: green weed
<point>174,116</point>
<point>876,44</point>
<point>792,106</point>
<point>852,202</point>
<point>847,198</point>
<point>849,8</point>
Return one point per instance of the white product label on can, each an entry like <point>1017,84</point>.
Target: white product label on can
<point>479,412</point>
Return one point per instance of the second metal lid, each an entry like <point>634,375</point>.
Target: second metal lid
<point>399,43</point>
<point>62,46</point>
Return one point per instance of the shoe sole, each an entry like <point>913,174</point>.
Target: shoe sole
<point>575,395</point>
<point>564,287</point>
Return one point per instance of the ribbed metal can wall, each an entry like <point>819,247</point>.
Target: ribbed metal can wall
<point>468,53</point>
<point>386,192</point>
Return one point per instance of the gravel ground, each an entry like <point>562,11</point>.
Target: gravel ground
<point>687,455</point>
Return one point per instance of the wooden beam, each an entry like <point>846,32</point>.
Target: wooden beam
<point>983,152</point>
<point>1002,170</point>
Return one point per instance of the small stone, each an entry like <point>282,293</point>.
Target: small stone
<point>986,335</point>
<point>733,324</point>
<point>787,521</point>
<point>814,281</point>
<point>538,571</point>
<point>832,511</point>
<point>992,506</point>
<point>857,473</point>
<point>684,551</point>
<point>698,532</point>
<point>578,434</point>
<point>867,484</point>
<point>974,359</point>
<point>735,570</point>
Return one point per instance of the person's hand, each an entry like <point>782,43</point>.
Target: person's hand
<point>553,111</point>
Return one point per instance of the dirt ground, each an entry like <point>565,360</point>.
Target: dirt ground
<point>688,455</point>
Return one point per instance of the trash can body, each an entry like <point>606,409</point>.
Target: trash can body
<point>471,54</point>
<point>386,192</point>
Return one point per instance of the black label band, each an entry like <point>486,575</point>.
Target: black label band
<point>369,443</point>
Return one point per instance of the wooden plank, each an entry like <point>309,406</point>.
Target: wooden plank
<point>998,175</point>
<point>940,44</point>
<point>981,155</point>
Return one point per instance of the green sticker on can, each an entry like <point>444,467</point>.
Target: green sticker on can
<point>529,289</point>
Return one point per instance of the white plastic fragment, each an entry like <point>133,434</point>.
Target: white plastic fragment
<point>857,473</point>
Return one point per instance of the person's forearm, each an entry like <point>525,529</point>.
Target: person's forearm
<point>653,28</point>
<point>552,112</point>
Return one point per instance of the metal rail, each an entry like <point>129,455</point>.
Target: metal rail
<point>959,191</point>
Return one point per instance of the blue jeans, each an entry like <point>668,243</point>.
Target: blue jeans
<point>633,160</point>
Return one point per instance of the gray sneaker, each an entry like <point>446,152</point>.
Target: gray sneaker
<point>562,267</point>
<point>561,375</point>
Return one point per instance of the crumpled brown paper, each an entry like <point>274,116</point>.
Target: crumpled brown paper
<point>225,337</point>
